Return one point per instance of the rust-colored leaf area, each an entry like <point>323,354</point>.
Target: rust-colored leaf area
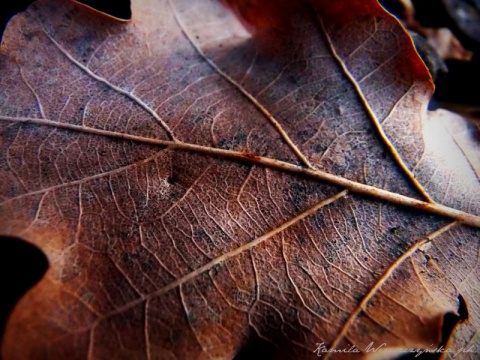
<point>199,189</point>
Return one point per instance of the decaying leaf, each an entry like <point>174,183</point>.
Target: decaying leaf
<point>197,190</point>
<point>446,44</point>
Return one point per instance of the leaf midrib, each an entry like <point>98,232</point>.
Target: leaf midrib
<point>353,186</point>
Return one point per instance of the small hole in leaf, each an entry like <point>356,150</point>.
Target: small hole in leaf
<point>462,308</point>
<point>22,265</point>
<point>450,321</point>
<point>172,180</point>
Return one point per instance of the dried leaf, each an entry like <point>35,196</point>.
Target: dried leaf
<point>197,191</point>
<point>446,44</point>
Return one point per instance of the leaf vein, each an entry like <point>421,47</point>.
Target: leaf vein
<point>386,141</point>
<point>353,186</point>
<point>244,92</point>
<point>128,94</point>
<point>386,275</point>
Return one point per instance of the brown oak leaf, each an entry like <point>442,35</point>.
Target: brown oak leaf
<point>199,189</point>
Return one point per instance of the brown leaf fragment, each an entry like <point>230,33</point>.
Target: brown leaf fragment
<point>198,188</point>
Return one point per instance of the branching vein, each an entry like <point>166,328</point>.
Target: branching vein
<point>353,186</point>
<point>386,275</point>
<point>245,93</point>
<point>114,87</point>
<point>376,123</point>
